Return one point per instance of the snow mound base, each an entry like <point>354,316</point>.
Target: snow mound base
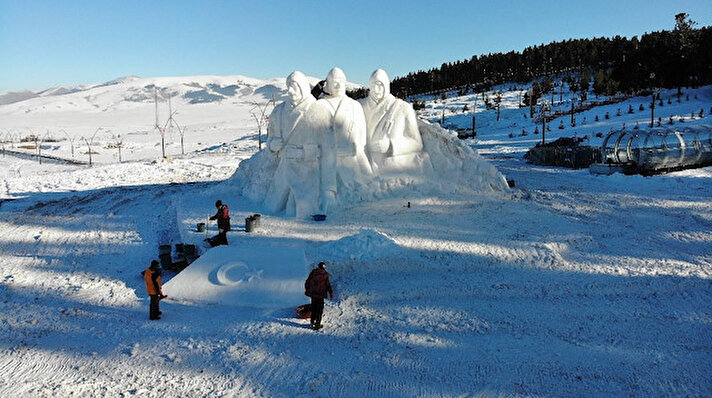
<point>365,245</point>
<point>456,168</point>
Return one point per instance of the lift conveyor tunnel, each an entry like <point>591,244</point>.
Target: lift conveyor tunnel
<point>659,149</point>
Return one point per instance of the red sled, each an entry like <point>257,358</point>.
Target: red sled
<point>304,311</point>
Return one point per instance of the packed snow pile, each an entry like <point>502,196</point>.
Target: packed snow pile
<point>366,244</point>
<point>258,277</point>
<point>456,165</point>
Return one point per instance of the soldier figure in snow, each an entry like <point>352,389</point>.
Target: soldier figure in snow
<point>348,128</point>
<point>394,143</point>
<point>297,142</point>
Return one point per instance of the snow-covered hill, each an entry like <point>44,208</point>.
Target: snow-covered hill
<point>568,285</point>
<point>123,111</point>
<point>515,131</point>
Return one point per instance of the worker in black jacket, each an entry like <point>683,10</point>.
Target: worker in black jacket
<point>223,217</point>
<point>317,286</point>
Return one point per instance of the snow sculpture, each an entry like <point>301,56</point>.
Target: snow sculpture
<point>328,167</point>
<point>394,143</point>
<point>300,175</point>
<point>347,125</point>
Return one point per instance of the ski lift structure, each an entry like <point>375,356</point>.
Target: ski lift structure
<point>655,151</point>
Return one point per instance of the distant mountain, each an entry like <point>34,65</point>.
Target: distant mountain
<point>123,91</point>
<point>125,79</point>
<point>12,97</point>
<point>127,91</point>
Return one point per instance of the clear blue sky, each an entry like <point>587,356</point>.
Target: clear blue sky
<point>47,43</point>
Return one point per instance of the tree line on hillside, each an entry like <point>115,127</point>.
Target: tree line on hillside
<point>667,59</point>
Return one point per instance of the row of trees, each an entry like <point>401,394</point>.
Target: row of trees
<point>676,58</point>
<point>36,142</point>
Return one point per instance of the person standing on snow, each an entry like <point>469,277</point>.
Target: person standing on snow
<point>317,286</point>
<point>223,217</point>
<point>154,288</point>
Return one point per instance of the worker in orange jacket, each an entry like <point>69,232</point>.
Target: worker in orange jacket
<point>154,288</point>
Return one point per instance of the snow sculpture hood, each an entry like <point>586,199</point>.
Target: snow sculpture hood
<point>336,82</point>
<point>301,80</point>
<point>379,75</point>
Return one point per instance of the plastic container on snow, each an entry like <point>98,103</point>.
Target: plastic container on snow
<point>249,224</point>
<point>164,249</point>
<point>166,260</point>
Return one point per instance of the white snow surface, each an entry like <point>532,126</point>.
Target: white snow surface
<point>264,277</point>
<point>569,284</point>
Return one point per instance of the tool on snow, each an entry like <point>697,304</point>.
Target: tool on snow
<point>207,226</point>
<point>304,311</point>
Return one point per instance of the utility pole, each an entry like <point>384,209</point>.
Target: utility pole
<point>38,146</point>
<point>161,131</point>
<point>652,103</point>
<point>182,133</point>
<point>90,142</point>
<point>118,143</point>
<point>261,115</point>
<point>530,94</point>
<point>71,141</point>
<point>543,124</point>
<point>652,110</point>
<point>474,118</point>
<point>172,123</point>
<point>155,102</point>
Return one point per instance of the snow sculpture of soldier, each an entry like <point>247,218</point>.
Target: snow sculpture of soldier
<point>348,127</point>
<point>394,144</point>
<point>298,179</point>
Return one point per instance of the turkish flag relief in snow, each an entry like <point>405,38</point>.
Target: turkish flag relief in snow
<point>263,277</point>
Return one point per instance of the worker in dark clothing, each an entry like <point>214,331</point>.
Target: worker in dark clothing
<point>317,286</point>
<point>154,288</point>
<point>318,90</point>
<point>223,217</point>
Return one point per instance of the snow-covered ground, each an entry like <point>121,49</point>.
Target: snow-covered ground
<point>569,284</point>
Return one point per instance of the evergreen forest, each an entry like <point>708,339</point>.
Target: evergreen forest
<point>681,57</point>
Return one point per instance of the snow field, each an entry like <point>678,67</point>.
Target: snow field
<point>568,285</point>
<point>528,295</point>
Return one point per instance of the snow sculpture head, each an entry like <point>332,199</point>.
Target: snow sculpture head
<point>379,85</point>
<point>336,83</point>
<point>297,87</point>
